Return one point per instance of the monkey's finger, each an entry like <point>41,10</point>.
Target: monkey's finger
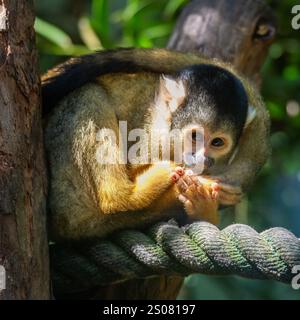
<point>229,188</point>
<point>195,179</point>
<point>179,171</point>
<point>215,194</point>
<point>187,179</point>
<point>210,178</point>
<point>182,185</point>
<point>190,210</point>
<point>175,177</point>
<point>205,181</point>
<point>201,193</point>
<point>218,185</point>
<point>225,195</point>
<point>182,198</point>
<point>191,192</point>
<point>228,199</point>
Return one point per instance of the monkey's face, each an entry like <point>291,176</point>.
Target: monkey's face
<point>208,100</point>
<point>207,149</point>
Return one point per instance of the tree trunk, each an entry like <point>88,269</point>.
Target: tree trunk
<point>239,32</point>
<point>23,241</point>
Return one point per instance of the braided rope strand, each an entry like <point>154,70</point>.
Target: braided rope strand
<point>168,249</point>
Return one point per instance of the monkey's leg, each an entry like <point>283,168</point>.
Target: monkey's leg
<point>75,216</point>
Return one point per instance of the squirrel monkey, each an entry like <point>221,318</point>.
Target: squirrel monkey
<point>149,89</point>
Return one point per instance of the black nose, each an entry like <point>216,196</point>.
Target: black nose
<point>208,162</point>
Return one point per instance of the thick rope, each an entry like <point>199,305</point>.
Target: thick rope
<point>170,250</point>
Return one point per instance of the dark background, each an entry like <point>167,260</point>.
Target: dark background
<point>74,27</point>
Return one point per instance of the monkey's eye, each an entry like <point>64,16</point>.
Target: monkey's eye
<point>217,142</point>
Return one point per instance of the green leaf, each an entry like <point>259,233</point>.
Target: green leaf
<point>172,7</point>
<point>276,51</point>
<point>291,73</point>
<point>144,42</point>
<point>100,20</point>
<point>133,8</point>
<point>275,110</point>
<point>88,35</point>
<point>52,33</point>
<point>53,49</point>
<point>160,30</point>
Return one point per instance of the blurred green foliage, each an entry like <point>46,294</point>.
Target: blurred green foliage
<point>67,27</point>
<point>99,24</point>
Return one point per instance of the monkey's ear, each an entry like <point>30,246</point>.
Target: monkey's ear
<point>250,115</point>
<point>172,92</point>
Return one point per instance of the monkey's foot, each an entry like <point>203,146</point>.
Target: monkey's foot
<point>227,194</point>
<point>199,198</point>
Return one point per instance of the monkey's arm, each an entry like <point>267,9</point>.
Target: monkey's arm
<point>117,193</point>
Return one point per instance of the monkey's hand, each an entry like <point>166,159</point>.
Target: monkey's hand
<point>227,194</point>
<point>199,198</point>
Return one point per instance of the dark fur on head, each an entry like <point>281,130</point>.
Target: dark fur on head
<point>215,97</point>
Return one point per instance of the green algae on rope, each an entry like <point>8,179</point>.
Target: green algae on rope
<point>168,249</point>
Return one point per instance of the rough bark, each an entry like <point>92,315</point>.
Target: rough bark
<point>235,31</point>
<point>154,288</point>
<point>239,32</point>
<point>23,241</point>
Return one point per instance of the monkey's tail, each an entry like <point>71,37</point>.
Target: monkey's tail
<point>78,71</point>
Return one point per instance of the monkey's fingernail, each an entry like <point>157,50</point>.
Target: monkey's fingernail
<point>179,170</point>
<point>175,177</point>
